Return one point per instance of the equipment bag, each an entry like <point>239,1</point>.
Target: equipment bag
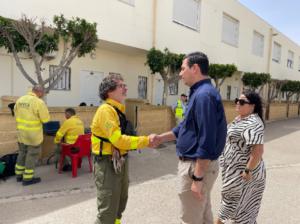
<point>9,162</point>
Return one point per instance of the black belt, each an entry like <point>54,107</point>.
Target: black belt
<point>182,158</point>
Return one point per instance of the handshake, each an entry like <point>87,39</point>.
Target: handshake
<point>154,140</point>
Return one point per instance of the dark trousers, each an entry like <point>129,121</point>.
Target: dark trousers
<point>112,189</point>
<point>26,160</point>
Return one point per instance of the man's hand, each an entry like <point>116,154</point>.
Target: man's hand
<point>196,189</point>
<point>154,140</point>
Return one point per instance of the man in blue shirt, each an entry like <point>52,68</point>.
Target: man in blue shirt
<point>200,141</point>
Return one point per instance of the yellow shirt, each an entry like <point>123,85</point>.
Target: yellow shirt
<point>31,112</point>
<point>106,124</point>
<point>70,130</point>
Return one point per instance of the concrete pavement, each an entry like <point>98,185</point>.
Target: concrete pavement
<point>152,194</point>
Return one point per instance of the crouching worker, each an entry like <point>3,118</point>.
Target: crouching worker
<point>110,145</point>
<point>68,133</point>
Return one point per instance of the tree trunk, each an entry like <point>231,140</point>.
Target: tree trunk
<point>267,114</point>
<point>165,93</point>
<point>287,106</point>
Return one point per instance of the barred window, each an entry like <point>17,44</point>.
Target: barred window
<point>173,88</point>
<point>64,82</point>
<point>142,87</point>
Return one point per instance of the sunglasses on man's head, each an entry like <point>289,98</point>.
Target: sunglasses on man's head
<point>241,101</point>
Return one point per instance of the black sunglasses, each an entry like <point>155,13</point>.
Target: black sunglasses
<point>241,101</point>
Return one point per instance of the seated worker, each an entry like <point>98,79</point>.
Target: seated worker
<point>68,133</point>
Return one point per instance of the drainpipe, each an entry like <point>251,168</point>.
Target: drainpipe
<point>12,75</point>
<point>153,45</point>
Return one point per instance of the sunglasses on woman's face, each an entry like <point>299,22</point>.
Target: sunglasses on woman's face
<point>241,101</point>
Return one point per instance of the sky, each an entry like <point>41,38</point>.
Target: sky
<point>284,15</point>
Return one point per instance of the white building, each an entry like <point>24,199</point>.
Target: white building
<point>225,30</point>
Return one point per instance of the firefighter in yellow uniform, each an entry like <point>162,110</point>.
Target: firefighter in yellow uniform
<point>180,107</point>
<point>68,133</point>
<point>110,146</point>
<point>30,112</point>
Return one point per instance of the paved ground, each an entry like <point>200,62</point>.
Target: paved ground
<point>152,196</point>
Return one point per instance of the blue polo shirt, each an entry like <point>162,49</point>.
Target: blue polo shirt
<point>202,133</point>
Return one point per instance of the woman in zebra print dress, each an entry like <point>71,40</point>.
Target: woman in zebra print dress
<point>243,170</point>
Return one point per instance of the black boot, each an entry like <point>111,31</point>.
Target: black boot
<point>34,180</point>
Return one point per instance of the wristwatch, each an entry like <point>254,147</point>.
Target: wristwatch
<point>247,171</point>
<point>196,178</point>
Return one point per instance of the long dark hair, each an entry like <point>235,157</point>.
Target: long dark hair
<point>254,98</point>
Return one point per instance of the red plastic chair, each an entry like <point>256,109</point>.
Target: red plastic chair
<point>76,151</point>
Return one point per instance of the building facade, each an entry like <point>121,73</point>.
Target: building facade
<point>225,30</point>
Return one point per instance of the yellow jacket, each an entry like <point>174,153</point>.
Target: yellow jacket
<point>106,124</point>
<point>70,130</point>
<point>31,112</point>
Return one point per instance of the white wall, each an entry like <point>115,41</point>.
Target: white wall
<point>117,21</point>
<point>126,33</point>
<point>208,39</point>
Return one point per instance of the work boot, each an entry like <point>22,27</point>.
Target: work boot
<point>34,180</point>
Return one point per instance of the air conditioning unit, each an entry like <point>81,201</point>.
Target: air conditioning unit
<point>51,55</point>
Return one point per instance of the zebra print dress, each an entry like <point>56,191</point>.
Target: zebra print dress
<point>241,199</point>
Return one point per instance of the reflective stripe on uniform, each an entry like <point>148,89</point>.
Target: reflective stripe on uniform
<point>28,174</point>
<point>27,121</point>
<point>134,142</point>
<point>20,167</point>
<point>19,170</point>
<point>115,136</point>
<point>28,124</point>
<point>21,127</point>
<point>95,140</point>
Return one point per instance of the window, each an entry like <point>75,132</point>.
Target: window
<point>258,44</point>
<point>290,59</point>
<point>187,13</point>
<point>230,30</point>
<point>173,88</point>
<point>129,2</point>
<point>64,82</point>
<point>228,93</point>
<point>142,87</point>
<point>276,52</point>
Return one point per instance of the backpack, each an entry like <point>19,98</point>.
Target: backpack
<point>9,163</point>
<point>125,125</point>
